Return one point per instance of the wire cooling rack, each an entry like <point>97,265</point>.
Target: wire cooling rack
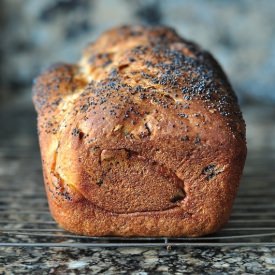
<point>25,220</point>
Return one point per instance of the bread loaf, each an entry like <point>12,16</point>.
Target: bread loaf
<point>143,137</point>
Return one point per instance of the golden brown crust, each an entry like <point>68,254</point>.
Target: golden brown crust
<point>144,137</point>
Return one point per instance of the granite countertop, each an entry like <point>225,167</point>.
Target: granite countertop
<point>18,128</point>
<point>138,261</point>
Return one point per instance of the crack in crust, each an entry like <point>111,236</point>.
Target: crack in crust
<point>60,188</point>
<point>128,182</point>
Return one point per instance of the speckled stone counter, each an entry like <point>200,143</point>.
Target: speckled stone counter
<point>138,261</point>
<point>18,127</point>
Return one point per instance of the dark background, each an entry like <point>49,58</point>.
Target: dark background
<point>240,34</point>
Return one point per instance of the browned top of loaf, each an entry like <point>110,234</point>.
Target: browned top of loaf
<point>149,63</point>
